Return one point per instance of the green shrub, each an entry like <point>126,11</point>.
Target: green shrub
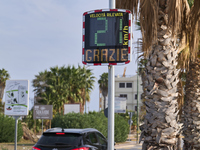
<point>93,120</point>
<point>121,128</point>
<point>7,129</point>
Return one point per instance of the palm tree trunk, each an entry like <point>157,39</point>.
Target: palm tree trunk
<point>104,103</point>
<point>2,87</point>
<point>191,128</point>
<point>160,128</point>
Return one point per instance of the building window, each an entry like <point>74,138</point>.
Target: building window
<point>136,96</point>
<point>122,85</point>
<point>135,108</point>
<point>129,85</point>
<point>123,95</point>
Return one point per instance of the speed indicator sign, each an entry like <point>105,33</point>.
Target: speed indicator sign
<point>107,37</point>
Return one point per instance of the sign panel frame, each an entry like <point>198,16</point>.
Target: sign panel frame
<point>43,112</point>
<point>16,98</point>
<point>107,37</point>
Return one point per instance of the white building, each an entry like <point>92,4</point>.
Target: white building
<point>127,87</point>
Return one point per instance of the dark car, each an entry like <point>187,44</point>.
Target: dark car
<point>71,139</point>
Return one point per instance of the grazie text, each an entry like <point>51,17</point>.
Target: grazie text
<point>106,55</point>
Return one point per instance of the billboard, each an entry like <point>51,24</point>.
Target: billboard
<point>43,112</point>
<point>16,97</point>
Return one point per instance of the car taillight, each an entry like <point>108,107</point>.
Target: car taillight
<point>60,133</point>
<point>81,148</point>
<point>35,148</point>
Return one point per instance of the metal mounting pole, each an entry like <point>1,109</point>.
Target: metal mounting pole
<point>111,103</point>
<point>112,4</point>
<point>111,95</point>
<point>137,105</point>
<point>85,90</point>
<point>138,46</point>
<point>42,126</point>
<point>16,122</point>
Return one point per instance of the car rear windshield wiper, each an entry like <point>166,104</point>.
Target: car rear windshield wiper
<point>60,145</point>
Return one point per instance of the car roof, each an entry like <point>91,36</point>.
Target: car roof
<point>71,130</point>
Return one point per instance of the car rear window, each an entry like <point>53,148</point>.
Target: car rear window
<point>66,138</point>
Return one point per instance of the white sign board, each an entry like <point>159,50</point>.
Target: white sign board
<point>16,97</point>
<point>120,105</point>
<point>69,108</point>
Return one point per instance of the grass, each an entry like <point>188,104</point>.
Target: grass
<point>21,145</point>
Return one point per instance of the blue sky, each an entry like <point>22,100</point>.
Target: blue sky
<point>38,34</point>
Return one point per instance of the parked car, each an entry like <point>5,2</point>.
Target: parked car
<point>71,139</point>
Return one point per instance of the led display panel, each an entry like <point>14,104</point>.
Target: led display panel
<point>107,37</point>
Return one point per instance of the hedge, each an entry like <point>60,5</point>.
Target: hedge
<point>93,120</point>
<point>7,129</point>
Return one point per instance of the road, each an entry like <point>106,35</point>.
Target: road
<point>132,146</point>
<point>129,145</point>
<point>135,147</point>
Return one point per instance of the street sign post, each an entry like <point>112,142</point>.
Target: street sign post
<point>43,112</point>
<point>16,101</point>
<point>107,41</point>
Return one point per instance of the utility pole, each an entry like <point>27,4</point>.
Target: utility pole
<point>119,41</point>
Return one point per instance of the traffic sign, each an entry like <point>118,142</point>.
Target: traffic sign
<point>107,37</point>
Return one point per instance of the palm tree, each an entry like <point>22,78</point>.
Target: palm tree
<point>40,86</point>
<point>163,26</point>
<point>4,75</point>
<point>103,85</point>
<point>191,61</point>
<point>192,107</point>
<point>59,86</point>
<point>192,87</point>
<point>86,84</point>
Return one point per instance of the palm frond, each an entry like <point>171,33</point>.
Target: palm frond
<point>194,29</point>
<point>128,4</point>
<point>184,58</point>
<point>176,10</point>
<point>148,11</point>
<point>149,23</point>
